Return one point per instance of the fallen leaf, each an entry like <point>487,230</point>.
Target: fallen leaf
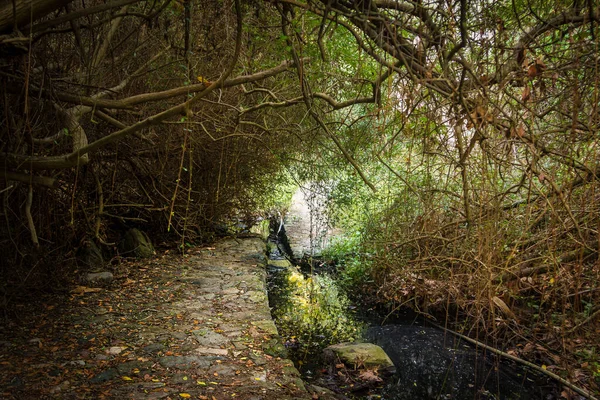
<point>526,94</point>
<point>369,376</point>
<point>185,395</point>
<point>84,290</point>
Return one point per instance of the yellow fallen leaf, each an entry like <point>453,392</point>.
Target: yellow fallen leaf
<point>201,383</point>
<point>552,281</point>
<point>544,367</point>
<point>185,395</point>
<point>126,378</point>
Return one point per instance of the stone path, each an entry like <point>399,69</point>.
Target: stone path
<point>210,336</point>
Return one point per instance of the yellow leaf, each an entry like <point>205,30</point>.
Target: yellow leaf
<point>185,378</point>
<point>201,383</point>
<point>552,281</point>
<point>544,367</point>
<point>185,395</point>
<point>126,378</point>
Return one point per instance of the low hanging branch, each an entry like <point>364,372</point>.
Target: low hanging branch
<point>309,106</point>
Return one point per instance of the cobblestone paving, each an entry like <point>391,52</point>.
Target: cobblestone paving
<point>178,327</point>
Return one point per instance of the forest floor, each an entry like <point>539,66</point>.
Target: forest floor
<point>195,326</point>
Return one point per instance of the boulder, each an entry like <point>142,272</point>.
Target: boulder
<point>89,255</point>
<point>361,354</point>
<point>136,244</point>
<point>97,279</point>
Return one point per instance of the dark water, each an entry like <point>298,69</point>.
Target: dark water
<point>434,365</point>
<point>430,363</point>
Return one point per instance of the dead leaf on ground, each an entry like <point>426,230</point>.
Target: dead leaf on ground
<point>85,289</point>
<point>369,376</point>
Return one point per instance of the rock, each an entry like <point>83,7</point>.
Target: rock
<point>129,367</point>
<point>267,326</point>
<point>105,376</point>
<point>90,255</point>
<point>222,370</point>
<point>75,363</point>
<point>260,376</point>
<point>279,263</point>
<point>216,352</point>
<point>97,278</point>
<point>59,388</point>
<point>262,229</point>
<point>259,257</point>
<point>151,385</point>
<point>115,350</point>
<point>319,391</point>
<point>136,244</point>
<point>179,336</point>
<point>154,348</point>
<point>209,338</point>
<point>275,348</point>
<point>186,362</point>
<point>366,354</point>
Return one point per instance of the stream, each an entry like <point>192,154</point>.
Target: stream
<point>312,313</point>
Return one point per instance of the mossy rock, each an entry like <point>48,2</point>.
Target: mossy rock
<point>136,244</point>
<point>279,263</point>
<point>367,355</point>
<point>262,229</point>
<point>275,348</point>
<point>90,255</point>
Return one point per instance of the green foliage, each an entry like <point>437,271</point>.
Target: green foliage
<point>274,193</point>
<point>312,312</point>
